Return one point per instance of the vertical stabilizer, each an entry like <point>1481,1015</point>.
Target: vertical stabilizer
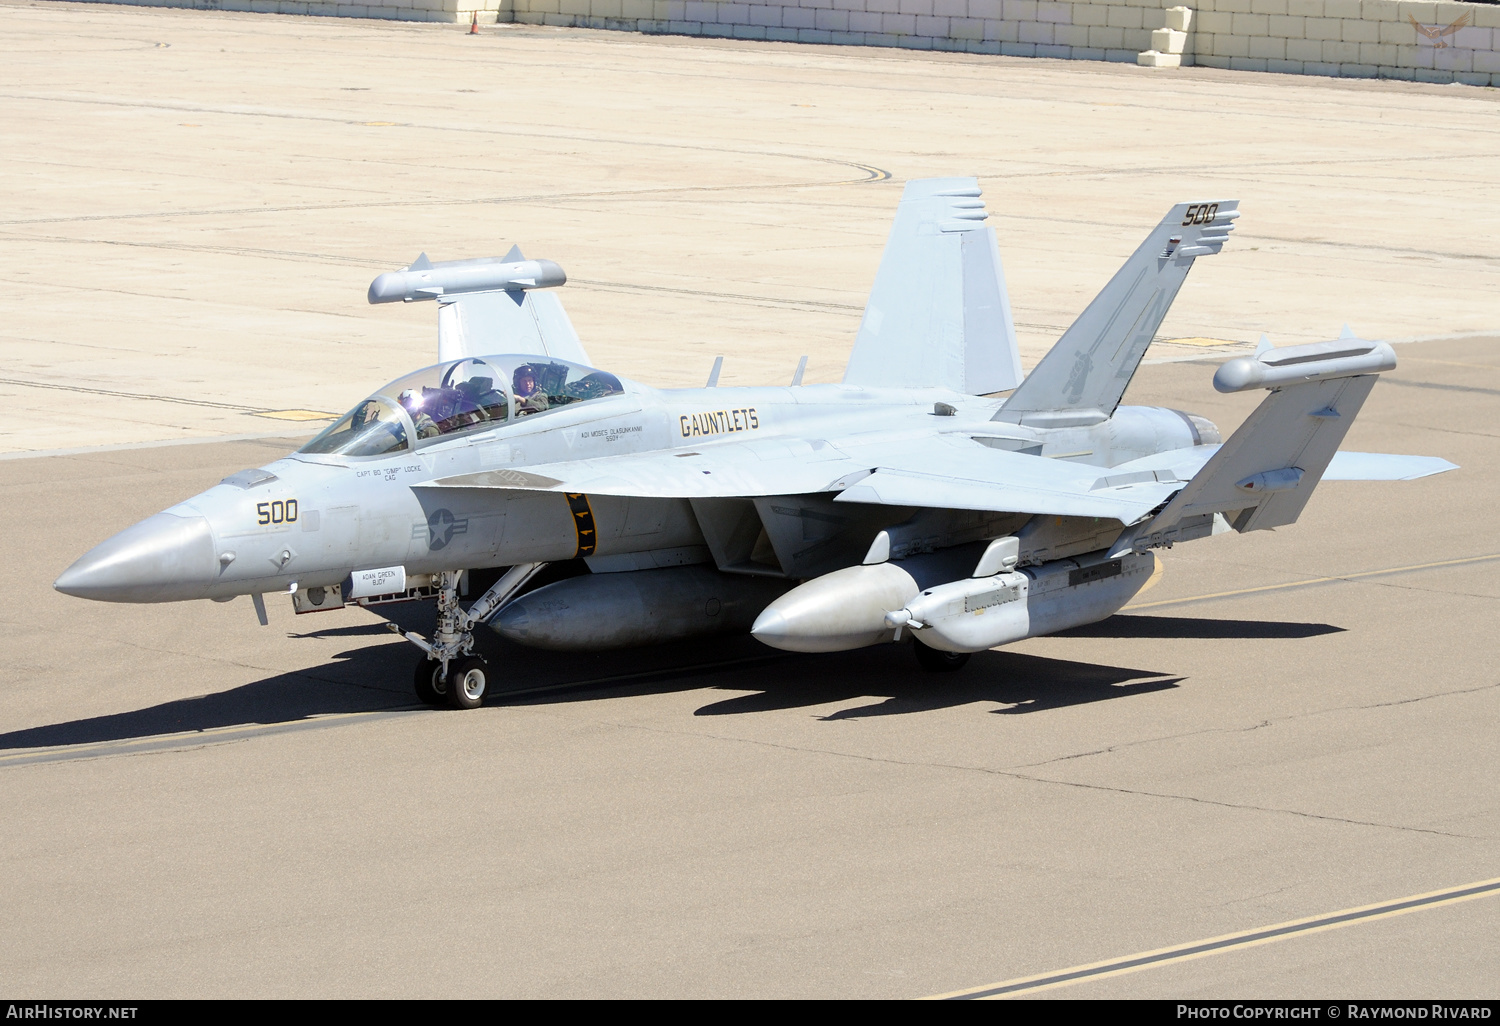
<point>483,323</point>
<point>516,320</point>
<point>1082,379</point>
<point>938,314</point>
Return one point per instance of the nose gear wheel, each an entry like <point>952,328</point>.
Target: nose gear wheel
<point>431,687</point>
<point>468,681</point>
<point>450,674</point>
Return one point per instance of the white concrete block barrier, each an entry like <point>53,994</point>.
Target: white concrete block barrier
<point>1421,40</point>
<point>1168,44</point>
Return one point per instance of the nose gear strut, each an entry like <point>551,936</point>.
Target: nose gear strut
<point>449,672</point>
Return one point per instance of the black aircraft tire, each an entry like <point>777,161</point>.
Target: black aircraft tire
<point>468,683</point>
<point>935,660</point>
<point>430,687</point>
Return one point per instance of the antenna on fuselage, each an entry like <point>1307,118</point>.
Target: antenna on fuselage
<point>801,366</point>
<point>713,375</point>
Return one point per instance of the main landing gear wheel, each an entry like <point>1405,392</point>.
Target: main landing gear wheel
<point>935,660</point>
<point>468,680</point>
<point>431,688</point>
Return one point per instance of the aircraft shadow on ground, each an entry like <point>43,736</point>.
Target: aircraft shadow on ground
<point>364,680</point>
<point>1135,626</point>
<point>377,677</point>
<point>1019,683</point>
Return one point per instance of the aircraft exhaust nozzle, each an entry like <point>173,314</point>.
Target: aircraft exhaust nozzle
<point>1289,365</point>
<point>635,607</point>
<point>427,280</point>
<point>837,612</point>
<point>164,558</point>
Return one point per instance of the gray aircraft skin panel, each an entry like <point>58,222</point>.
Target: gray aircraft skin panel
<point>901,503</point>
<point>938,313</point>
<point>1084,376</point>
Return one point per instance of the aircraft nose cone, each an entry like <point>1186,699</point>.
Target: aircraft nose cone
<point>163,558</point>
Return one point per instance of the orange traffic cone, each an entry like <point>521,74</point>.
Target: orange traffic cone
<point>474,25</point>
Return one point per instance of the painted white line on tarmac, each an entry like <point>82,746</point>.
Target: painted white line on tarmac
<point>1228,942</point>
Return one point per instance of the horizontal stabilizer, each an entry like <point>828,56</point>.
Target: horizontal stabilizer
<point>1383,466</point>
<point>938,314</point>
<point>1083,377</point>
<point>1345,466</point>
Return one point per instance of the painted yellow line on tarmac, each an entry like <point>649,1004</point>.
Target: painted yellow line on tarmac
<point>296,415</point>
<point>1228,942</point>
<point>1310,581</point>
<point>1155,577</point>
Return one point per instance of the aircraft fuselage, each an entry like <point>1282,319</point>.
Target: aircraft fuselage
<point>310,519</point>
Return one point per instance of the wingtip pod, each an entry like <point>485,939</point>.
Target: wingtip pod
<point>1319,361</point>
<point>424,279</point>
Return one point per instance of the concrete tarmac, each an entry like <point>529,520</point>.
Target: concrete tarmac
<point>196,201</point>
<point>1287,724</point>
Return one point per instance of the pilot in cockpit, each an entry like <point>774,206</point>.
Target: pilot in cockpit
<point>529,398</point>
<point>425,426</point>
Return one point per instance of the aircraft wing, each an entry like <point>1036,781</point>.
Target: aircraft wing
<point>765,466</point>
<point>924,471</point>
<point>955,472</point>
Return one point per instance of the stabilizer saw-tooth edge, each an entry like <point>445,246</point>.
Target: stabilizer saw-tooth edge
<point>1082,379</point>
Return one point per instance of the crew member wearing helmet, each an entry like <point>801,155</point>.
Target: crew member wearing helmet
<point>425,425</point>
<point>529,397</point>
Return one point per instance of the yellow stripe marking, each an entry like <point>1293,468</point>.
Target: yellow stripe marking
<point>296,415</point>
<point>1155,577</point>
<point>1229,942</point>
<point>1310,580</point>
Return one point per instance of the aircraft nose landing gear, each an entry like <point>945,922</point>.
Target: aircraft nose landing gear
<point>468,680</point>
<point>431,683</point>
<point>462,687</point>
<point>449,673</point>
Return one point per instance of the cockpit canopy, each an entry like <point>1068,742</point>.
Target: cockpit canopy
<point>460,397</point>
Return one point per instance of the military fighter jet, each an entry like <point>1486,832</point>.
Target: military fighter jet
<point>909,502</point>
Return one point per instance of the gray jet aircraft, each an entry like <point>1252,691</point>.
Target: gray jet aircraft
<point>909,502</point>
